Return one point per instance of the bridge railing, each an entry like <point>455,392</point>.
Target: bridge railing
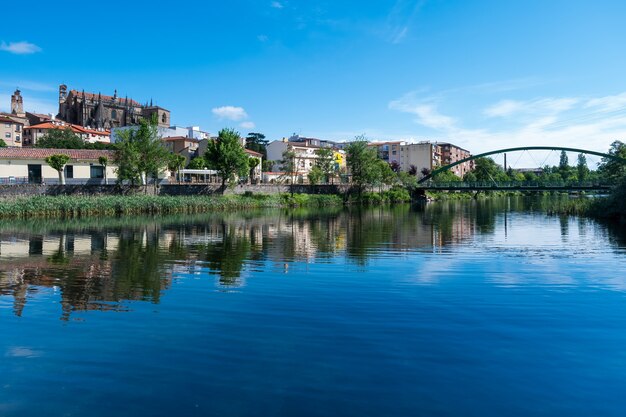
<point>515,184</point>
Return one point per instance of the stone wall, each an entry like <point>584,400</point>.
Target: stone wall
<point>28,190</point>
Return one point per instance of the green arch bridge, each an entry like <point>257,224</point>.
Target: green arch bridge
<point>426,184</point>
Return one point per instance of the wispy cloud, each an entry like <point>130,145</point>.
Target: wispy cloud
<point>247,125</point>
<point>558,121</point>
<point>32,104</point>
<point>401,18</point>
<point>28,86</point>
<point>276,5</point>
<point>262,38</point>
<point>230,113</point>
<point>19,48</point>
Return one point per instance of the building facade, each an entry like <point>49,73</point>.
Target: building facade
<point>451,153</point>
<point>388,151</point>
<point>423,156</point>
<point>11,131</point>
<point>97,111</point>
<point>28,165</point>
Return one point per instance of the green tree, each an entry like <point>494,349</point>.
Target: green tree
<point>197,163</point>
<point>57,162</point>
<point>315,175</point>
<point>446,176</point>
<point>61,139</point>
<point>175,163</point>
<point>104,161</point>
<point>326,163</point>
<point>267,166</point>
<point>564,169</point>
<point>361,160</point>
<point>485,169</point>
<point>289,163</point>
<point>257,142</point>
<point>252,164</point>
<point>140,152</point>
<point>610,169</point>
<point>227,157</point>
<point>386,174</point>
<point>581,167</point>
<point>3,144</point>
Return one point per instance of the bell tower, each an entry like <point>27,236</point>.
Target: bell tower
<point>17,103</point>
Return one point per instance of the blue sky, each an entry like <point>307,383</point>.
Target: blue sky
<point>482,74</point>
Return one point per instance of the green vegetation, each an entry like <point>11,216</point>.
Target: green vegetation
<point>3,144</point>
<point>256,142</point>
<point>227,156</point>
<point>58,162</point>
<point>81,206</point>
<point>66,139</point>
<point>362,161</point>
<point>140,153</point>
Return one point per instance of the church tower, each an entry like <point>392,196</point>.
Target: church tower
<point>17,104</point>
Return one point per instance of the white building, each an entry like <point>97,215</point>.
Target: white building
<point>28,165</point>
<point>33,133</point>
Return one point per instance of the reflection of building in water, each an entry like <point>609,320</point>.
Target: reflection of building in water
<point>83,268</point>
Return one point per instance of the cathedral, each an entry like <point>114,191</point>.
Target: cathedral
<point>97,111</point>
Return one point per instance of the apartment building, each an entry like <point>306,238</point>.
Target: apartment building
<point>11,131</point>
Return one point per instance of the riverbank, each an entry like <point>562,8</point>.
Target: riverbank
<point>611,208</point>
<point>89,206</point>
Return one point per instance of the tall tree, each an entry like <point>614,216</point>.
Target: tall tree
<point>611,169</point>
<point>326,164</point>
<point>227,157</point>
<point>104,161</point>
<point>58,162</point>
<point>361,160</point>
<point>60,139</point>
<point>252,164</point>
<point>581,167</point>
<point>175,163</point>
<point>257,142</point>
<point>140,153</point>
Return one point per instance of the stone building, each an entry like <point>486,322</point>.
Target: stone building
<point>99,111</point>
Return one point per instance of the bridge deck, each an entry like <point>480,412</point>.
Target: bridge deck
<point>514,186</point>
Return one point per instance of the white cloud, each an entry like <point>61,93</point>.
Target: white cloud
<point>20,48</point>
<point>262,38</point>
<point>608,103</point>
<point>427,114</point>
<point>247,125</point>
<point>31,104</point>
<point>277,5</point>
<point>230,113</point>
<point>506,108</point>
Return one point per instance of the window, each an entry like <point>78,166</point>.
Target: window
<point>7,135</point>
<point>113,114</point>
<point>7,125</point>
<point>69,171</point>
<point>96,171</point>
<point>17,138</point>
<point>164,118</point>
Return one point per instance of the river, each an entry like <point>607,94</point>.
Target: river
<point>472,308</point>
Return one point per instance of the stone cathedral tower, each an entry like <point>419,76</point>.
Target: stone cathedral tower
<point>17,104</point>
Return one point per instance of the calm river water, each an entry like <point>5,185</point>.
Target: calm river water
<point>486,308</point>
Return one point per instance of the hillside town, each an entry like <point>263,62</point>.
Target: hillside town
<point>99,120</point>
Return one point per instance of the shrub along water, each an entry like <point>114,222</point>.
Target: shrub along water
<point>74,207</point>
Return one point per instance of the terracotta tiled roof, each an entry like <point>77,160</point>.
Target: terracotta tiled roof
<point>75,128</point>
<point>249,152</point>
<point>42,153</point>
<point>92,96</point>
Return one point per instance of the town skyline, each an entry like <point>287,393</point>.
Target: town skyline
<point>290,68</point>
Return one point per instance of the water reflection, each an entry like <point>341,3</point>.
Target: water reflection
<point>98,265</point>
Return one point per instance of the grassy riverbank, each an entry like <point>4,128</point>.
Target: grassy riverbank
<point>76,207</point>
<point>89,206</point>
<point>612,207</point>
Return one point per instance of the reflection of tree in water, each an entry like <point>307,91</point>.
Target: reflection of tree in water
<point>228,256</point>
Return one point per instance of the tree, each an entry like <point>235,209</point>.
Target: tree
<point>289,163</point>
<point>175,163</point>
<point>315,175</point>
<point>564,169</point>
<point>140,152</point>
<point>611,169</point>
<point>104,161</point>
<point>60,139</point>
<point>361,160</point>
<point>257,142</point>
<point>395,166</point>
<point>227,157</point>
<point>412,170</point>
<point>385,174</point>
<point>3,144</point>
<point>485,169</point>
<point>446,176</point>
<point>581,167</point>
<point>197,163</point>
<point>252,164</point>
<point>326,163</point>
<point>57,162</point>
<point>267,165</point>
